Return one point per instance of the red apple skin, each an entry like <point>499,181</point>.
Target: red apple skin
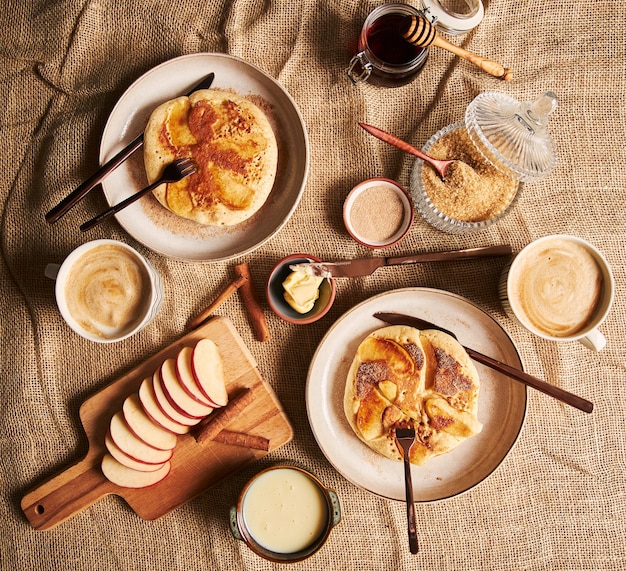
<point>166,407</point>
<point>125,477</point>
<point>212,384</point>
<point>120,431</point>
<point>143,427</point>
<point>125,459</point>
<point>184,372</point>
<point>155,412</point>
<point>169,383</point>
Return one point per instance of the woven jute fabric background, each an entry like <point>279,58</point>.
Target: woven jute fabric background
<point>558,500</point>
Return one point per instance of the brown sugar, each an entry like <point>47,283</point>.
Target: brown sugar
<point>474,190</point>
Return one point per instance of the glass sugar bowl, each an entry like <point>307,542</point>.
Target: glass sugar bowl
<point>501,144</point>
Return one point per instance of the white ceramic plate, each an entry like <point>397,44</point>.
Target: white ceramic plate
<point>501,401</point>
<point>174,237</point>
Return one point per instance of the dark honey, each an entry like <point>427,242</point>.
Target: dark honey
<point>385,40</point>
<point>385,58</point>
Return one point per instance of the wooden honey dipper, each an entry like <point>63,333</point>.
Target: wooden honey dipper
<point>422,33</point>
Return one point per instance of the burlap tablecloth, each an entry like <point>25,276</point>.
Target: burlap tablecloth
<point>558,499</point>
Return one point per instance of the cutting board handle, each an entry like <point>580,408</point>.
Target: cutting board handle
<point>66,494</point>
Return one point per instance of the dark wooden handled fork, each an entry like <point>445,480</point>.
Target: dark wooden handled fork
<point>405,437</point>
<point>175,171</point>
<point>88,185</point>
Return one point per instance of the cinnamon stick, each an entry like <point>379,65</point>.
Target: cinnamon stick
<point>250,300</point>
<point>231,288</point>
<point>221,418</point>
<point>252,441</point>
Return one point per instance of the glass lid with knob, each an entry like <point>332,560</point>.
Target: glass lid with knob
<point>513,135</point>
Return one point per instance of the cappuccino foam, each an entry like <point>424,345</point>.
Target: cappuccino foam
<point>108,291</point>
<point>556,287</point>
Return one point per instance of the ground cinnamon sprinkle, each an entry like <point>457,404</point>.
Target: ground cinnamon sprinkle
<point>177,225</point>
<point>474,190</point>
<point>377,213</point>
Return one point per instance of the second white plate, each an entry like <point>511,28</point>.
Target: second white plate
<point>501,402</point>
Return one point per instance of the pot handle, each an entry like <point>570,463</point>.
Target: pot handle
<point>336,507</point>
<point>234,528</point>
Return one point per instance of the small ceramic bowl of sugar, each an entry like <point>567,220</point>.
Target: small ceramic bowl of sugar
<point>378,212</point>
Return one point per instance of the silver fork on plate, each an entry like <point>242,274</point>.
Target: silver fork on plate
<point>405,437</point>
<point>175,171</point>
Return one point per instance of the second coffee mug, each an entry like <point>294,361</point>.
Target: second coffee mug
<point>106,291</point>
<point>561,288</point>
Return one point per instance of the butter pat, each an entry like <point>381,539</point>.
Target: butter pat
<point>301,291</point>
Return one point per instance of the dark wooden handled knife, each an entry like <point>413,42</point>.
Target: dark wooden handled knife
<point>367,266</point>
<point>543,386</point>
<point>82,190</point>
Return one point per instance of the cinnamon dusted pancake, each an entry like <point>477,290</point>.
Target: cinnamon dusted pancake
<point>401,375</point>
<point>233,145</point>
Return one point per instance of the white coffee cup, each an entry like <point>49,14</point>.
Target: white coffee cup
<point>106,291</point>
<point>561,288</point>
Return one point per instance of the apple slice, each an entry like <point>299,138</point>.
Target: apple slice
<point>143,427</point>
<point>153,410</point>
<point>123,458</point>
<point>126,477</point>
<point>208,372</point>
<point>184,371</point>
<point>133,446</point>
<point>165,405</point>
<point>177,397</point>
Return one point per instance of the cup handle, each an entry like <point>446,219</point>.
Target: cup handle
<point>52,271</point>
<point>594,340</point>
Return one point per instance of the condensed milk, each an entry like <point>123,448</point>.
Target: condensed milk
<point>285,514</point>
<point>285,511</point>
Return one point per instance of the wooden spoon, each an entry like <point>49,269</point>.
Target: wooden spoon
<point>421,33</point>
<point>441,166</point>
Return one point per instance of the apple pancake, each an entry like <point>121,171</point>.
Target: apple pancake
<point>401,375</point>
<point>233,145</point>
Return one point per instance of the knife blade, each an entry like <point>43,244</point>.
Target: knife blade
<point>83,189</point>
<point>366,266</point>
<point>543,386</point>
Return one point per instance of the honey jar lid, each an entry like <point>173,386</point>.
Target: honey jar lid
<point>454,16</point>
<point>513,135</point>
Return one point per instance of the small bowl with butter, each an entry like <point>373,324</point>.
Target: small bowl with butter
<point>295,296</point>
<point>285,514</point>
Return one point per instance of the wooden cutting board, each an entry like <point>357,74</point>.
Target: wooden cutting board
<point>195,467</point>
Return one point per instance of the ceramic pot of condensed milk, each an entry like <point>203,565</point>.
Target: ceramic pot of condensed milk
<point>285,514</point>
<point>384,57</point>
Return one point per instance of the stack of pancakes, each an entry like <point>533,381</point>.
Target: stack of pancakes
<point>233,145</point>
<point>401,376</point>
